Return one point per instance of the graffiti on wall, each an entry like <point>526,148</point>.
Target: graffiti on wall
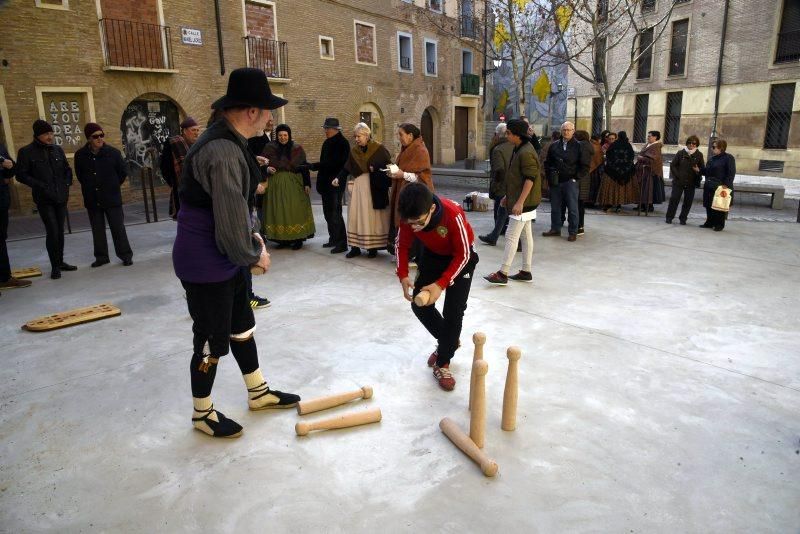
<point>146,126</point>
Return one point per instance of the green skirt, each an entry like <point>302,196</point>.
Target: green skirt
<point>287,208</point>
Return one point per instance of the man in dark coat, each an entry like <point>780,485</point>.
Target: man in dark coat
<point>101,170</point>
<point>565,164</point>
<point>332,157</point>
<point>43,167</point>
<point>172,156</point>
<point>6,174</point>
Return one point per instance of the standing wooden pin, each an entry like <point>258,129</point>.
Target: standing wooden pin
<point>512,390</point>
<point>479,340</point>
<point>477,419</point>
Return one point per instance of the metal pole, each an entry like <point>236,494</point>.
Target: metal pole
<point>219,40</point>
<point>719,75</point>
<point>142,178</point>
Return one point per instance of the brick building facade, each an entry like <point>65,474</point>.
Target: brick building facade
<point>139,66</point>
<point>675,90</point>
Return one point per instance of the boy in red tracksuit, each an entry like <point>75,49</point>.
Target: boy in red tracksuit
<point>447,263</point>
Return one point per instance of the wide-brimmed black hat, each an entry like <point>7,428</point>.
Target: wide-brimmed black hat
<point>249,87</point>
<point>332,122</point>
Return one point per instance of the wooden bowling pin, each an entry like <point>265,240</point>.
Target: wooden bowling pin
<point>462,441</point>
<point>477,419</point>
<point>509,421</point>
<point>479,339</point>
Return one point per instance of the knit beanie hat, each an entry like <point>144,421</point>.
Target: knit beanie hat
<point>41,127</point>
<point>188,123</point>
<point>91,128</point>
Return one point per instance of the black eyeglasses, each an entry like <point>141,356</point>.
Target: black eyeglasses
<point>98,136</point>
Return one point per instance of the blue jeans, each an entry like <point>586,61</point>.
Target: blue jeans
<point>500,220</point>
<point>564,193</point>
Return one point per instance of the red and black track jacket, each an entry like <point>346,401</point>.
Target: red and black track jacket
<point>447,234</point>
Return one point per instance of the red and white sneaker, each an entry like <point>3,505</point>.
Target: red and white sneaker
<point>444,377</point>
<point>432,358</point>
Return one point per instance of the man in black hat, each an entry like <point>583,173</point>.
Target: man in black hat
<point>216,237</point>
<point>6,174</point>
<point>43,167</point>
<point>334,154</point>
<point>172,156</point>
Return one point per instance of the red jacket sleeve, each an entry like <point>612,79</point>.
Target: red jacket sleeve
<point>459,239</point>
<point>402,243</point>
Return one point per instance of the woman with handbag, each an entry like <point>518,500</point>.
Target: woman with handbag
<point>720,172</point>
<point>368,212</point>
<point>684,178</point>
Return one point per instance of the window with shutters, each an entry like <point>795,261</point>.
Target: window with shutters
<point>779,115</point>
<point>640,118</point>
<point>672,120</point>
<point>788,49</point>
<point>645,64</point>
<point>677,54</point>
<point>597,116</point>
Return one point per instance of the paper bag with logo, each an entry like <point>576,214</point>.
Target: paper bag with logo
<point>722,199</point>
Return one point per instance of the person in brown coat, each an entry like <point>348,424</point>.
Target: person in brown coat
<point>414,165</point>
<point>649,171</point>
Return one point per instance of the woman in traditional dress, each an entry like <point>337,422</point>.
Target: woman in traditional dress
<point>414,165</point>
<point>649,171</point>
<point>617,186</point>
<point>288,219</point>
<point>368,212</point>
<point>595,169</point>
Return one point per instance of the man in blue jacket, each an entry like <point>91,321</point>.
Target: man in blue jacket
<point>43,167</point>
<point>101,171</point>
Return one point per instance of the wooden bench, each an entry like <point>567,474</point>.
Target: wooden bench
<point>776,191</point>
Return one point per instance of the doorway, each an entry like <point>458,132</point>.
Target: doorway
<point>426,127</point>
<point>461,132</point>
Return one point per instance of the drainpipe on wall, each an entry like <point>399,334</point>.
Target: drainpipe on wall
<point>219,40</point>
<point>719,76</point>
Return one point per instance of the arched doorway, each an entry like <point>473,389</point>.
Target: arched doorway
<point>426,127</point>
<point>146,124</point>
<point>370,114</point>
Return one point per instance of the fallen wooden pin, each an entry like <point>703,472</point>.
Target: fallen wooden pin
<point>27,272</point>
<point>463,442</point>
<point>343,421</point>
<point>331,401</point>
<point>71,317</point>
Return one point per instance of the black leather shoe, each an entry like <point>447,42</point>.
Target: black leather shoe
<point>683,223</point>
<point>56,274</point>
<point>355,251</point>
<point>705,225</point>
<point>297,245</point>
<point>327,245</point>
<point>67,267</point>
<point>718,228</point>
<point>98,263</point>
<point>372,253</point>
<point>338,249</point>
<point>669,221</point>
<point>127,263</point>
<point>485,239</point>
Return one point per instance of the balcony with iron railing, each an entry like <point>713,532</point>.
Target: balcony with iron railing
<point>788,49</point>
<point>469,27</point>
<point>270,56</point>
<point>431,67</point>
<point>131,45</point>
<point>405,62</point>
<point>470,84</point>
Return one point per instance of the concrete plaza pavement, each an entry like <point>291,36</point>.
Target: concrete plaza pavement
<point>659,392</point>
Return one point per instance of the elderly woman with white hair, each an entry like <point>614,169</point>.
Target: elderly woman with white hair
<point>368,212</point>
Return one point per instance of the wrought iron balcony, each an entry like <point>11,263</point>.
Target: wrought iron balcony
<point>788,49</point>
<point>270,56</point>
<point>405,63</point>
<point>470,84</point>
<point>469,27</point>
<point>132,44</point>
<point>431,67</point>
